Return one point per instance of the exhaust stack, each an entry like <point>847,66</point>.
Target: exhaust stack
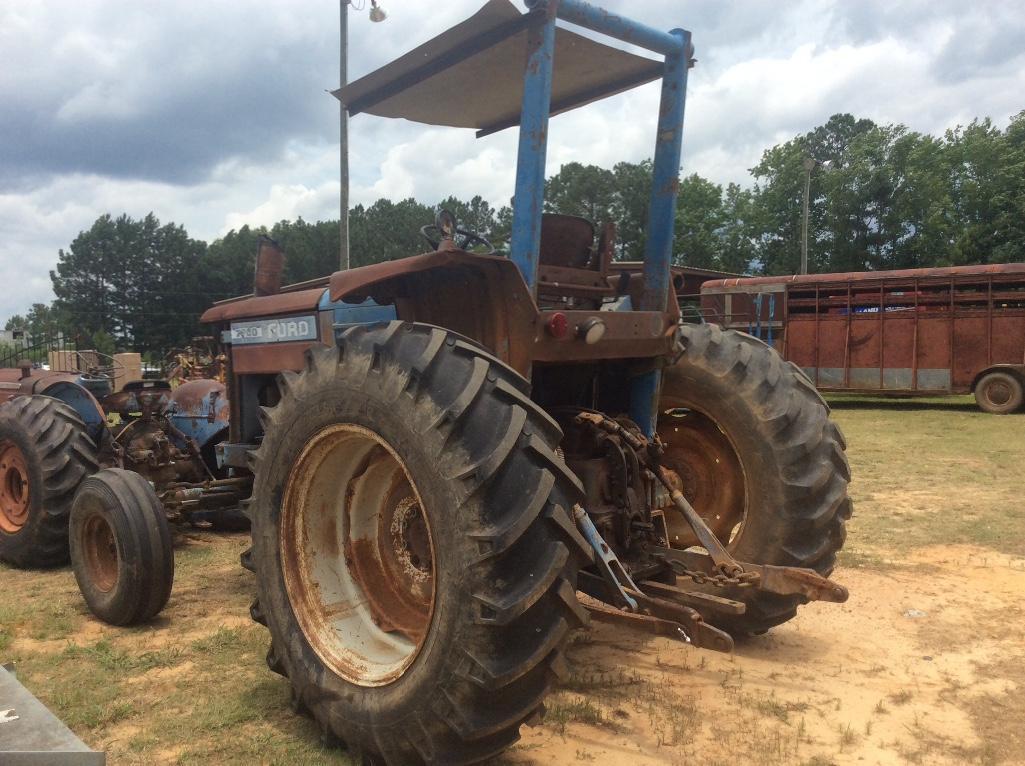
<point>270,263</point>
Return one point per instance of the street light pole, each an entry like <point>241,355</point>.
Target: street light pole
<point>809,165</point>
<point>376,15</point>
<point>343,78</point>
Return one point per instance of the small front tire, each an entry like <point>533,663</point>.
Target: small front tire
<point>121,547</point>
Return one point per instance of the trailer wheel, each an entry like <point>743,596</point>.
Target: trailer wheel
<point>759,459</point>
<point>45,452</point>
<point>413,545</point>
<point>999,393</point>
<point>121,547</point>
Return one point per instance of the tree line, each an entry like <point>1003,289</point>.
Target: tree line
<point>881,197</point>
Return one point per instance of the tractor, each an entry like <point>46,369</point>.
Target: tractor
<point>461,457</point>
<point>98,476</point>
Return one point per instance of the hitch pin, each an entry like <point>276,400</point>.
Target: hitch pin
<point>611,568</point>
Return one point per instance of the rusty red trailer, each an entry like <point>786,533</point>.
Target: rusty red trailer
<point>917,331</point>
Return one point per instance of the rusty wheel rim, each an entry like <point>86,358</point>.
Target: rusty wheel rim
<point>710,471</point>
<point>14,488</point>
<point>99,549</point>
<point>358,555</point>
<point>998,392</point>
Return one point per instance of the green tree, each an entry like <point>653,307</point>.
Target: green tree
<point>737,247</point>
<point>136,281</point>
<point>230,262</point>
<point>387,231</point>
<point>632,183</point>
<point>699,221</point>
<point>584,190</point>
<point>312,249</point>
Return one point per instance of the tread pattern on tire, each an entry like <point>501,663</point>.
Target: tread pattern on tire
<point>142,520</point>
<point>809,450</point>
<point>66,455</point>
<point>492,442</point>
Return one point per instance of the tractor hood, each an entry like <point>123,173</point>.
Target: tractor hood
<point>471,76</point>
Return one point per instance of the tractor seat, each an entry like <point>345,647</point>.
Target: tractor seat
<point>570,265</point>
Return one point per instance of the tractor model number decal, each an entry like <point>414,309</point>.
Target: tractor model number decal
<point>274,330</point>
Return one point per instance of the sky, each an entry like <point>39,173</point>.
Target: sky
<point>217,114</point>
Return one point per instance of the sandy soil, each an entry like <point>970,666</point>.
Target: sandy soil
<point>921,665</point>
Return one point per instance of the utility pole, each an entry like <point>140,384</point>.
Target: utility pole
<point>809,165</point>
<point>376,15</point>
<point>343,78</point>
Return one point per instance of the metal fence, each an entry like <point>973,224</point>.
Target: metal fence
<point>39,352</point>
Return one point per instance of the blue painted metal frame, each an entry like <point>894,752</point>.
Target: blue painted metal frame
<point>528,202</point>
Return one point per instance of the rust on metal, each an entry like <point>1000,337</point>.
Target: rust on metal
<point>710,473</point>
<point>14,488</point>
<point>695,599</point>
<point>99,550</point>
<point>806,582</point>
<point>382,577</point>
<point>270,305</point>
<point>903,332</point>
<point>270,263</point>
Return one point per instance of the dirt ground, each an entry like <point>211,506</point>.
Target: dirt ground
<point>923,665</point>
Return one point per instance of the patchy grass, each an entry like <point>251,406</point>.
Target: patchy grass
<point>193,687</point>
<point>931,472</point>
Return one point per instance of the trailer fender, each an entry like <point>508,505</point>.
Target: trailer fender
<point>1018,370</point>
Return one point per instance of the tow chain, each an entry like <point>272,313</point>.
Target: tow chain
<point>720,580</point>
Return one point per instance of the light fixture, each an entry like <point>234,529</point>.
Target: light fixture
<point>591,331</point>
<point>376,14</point>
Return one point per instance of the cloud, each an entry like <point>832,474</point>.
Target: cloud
<point>217,115</point>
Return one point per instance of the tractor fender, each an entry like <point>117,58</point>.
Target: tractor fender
<point>482,297</point>
<point>76,396</point>
<point>199,410</point>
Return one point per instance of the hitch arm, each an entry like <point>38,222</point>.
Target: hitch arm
<point>722,559</point>
<point>658,616</point>
<point>613,574</point>
<point>786,581</point>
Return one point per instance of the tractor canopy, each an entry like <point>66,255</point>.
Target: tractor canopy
<point>471,76</point>
<point>501,68</point>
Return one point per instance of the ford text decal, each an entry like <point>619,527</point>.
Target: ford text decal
<point>274,330</point>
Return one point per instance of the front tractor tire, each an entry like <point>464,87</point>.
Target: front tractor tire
<point>759,459</point>
<point>413,544</point>
<point>45,453</point>
<point>121,548</point>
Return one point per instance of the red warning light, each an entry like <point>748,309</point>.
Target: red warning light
<point>558,325</point>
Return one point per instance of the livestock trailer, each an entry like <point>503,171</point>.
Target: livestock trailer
<point>916,331</point>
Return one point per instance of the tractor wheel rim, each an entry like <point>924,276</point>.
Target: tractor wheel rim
<point>100,552</point>
<point>711,473</point>
<point>14,488</point>
<point>358,555</point>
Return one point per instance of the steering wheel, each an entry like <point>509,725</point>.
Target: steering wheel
<point>444,227</point>
<point>97,366</point>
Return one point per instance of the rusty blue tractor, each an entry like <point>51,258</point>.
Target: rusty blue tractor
<point>458,457</point>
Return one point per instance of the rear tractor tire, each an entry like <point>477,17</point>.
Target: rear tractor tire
<point>121,547</point>
<point>45,453</point>
<point>999,393</point>
<point>759,459</point>
<point>415,556</point>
